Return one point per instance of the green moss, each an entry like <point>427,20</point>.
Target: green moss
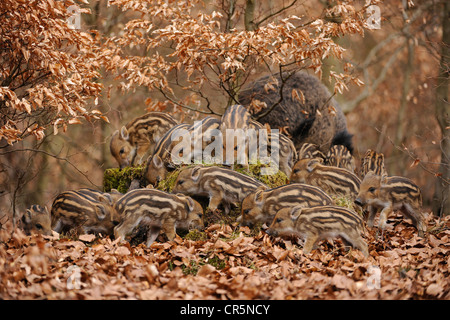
<point>120,179</point>
<point>216,262</point>
<point>168,183</point>
<point>347,203</point>
<point>196,235</point>
<point>191,269</point>
<point>272,181</point>
<point>194,266</point>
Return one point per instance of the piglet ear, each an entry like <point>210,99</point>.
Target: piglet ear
<point>157,161</point>
<point>259,196</point>
<point>262,188</point>
<point>188,201</point>
<point>100,211</point>
<point>189,204</point>
<point>26,218</point>
<point>105,199</point>
<point>311,165</point>
<point>295,212</point>
<point>195,174</point>
<point>115,192</point>
<point>124,133</point>
<point>369,174</point>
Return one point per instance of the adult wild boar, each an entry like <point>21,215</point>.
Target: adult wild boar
<point>305,107</point>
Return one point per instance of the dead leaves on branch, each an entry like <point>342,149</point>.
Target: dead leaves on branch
<point>228,263</point>
<point>49,70</point>
<point>195,43</point>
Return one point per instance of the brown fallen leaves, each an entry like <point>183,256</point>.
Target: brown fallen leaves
<point>228,263</point>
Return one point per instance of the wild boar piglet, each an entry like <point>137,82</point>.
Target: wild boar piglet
<point>387,194</point>
<point>317,223</point>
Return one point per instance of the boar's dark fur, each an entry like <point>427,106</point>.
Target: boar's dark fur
<point>312,121</point>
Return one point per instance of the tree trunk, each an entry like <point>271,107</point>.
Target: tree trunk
<point>249,15</point>
<point>441,199</point>
<point>397,166</point>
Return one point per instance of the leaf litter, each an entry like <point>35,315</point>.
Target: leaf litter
<point>228,262</point>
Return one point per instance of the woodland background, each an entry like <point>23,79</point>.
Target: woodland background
<point>64,91</point>
<point>401,110</point>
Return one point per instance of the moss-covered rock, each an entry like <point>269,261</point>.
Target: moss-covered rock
<point>120,179</point>
<point>272,181</point>
<point>196,235</point>
<point>348,203</point>
<point>168,183</point>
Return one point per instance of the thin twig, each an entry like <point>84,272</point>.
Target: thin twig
<point>183,105</point>
<point>283,82</point>
<point>51,155</point>
<point>274,14</point>
<point>420,163</point>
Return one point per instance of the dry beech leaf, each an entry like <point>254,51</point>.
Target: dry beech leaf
<point>434,289</point>
<point>122,251</point>
<point>87,237</point>
<point>242,267</point>
<point>62,86</point>
<point>206,270</point>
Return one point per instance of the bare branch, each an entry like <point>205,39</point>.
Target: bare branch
<point>280,99</point>
<point>257,24</point>
<point>370,87</point>
<point>53,156</point>
<point>176,102</point>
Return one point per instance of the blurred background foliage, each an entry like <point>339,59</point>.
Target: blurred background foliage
<point>401,110</point>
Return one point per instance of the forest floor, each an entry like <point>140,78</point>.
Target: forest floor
<point>228,262</point>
